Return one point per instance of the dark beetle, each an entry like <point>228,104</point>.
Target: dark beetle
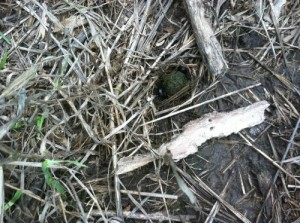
<point>172,83</point>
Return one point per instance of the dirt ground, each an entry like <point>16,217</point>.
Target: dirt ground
<point>85,92</point>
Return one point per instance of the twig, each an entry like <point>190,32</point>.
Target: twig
<point>269,159</point>
<point>275,22</point>
<point>201,184</point>
<point>203,103</point>
<point>156,216</point>
<point>197,132</point>
<point>279,77</point>
<point>207,43</point>
<point>289,146</point>
<point>215,209</point>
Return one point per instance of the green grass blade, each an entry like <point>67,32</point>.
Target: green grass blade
<point>17,125</point>
<point>40,121</point>
<point>3,60</point>
<point>15,198</point>
<point>57,83</point>
<point>5,38</point>
<point>51,181</point>
<point>48,176</point>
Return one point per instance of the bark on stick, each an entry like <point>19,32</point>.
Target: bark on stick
<point>207,43</point>
<point>196,132</point>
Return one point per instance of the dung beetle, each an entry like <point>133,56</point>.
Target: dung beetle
<point>172,83</point>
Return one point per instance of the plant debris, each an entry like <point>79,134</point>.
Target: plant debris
<point>78,85</point>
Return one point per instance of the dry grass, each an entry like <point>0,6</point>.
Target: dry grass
<point>80,84</point>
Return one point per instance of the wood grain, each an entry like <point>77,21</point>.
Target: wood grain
<point>207,43</point>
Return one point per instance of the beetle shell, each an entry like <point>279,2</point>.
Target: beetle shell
<point>172,83</point>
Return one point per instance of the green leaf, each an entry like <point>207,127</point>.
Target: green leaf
<point>5,38</point>
<point>48,176</point>
<point>17,125</point>
<point>119,89</point>
<point>40,121</point>
<point>3,60</point>
<point>57,83</point>
<point>51,181</point>
<point>15,198</point>
<point>59,188</point>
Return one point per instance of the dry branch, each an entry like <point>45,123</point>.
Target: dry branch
<point>207,42</point>
<point>215,125</point>
<point>212,125</point>
<point>157,216</point>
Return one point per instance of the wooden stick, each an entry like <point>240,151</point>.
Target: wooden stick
<point>207,42</point>
<point>212,125</point>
